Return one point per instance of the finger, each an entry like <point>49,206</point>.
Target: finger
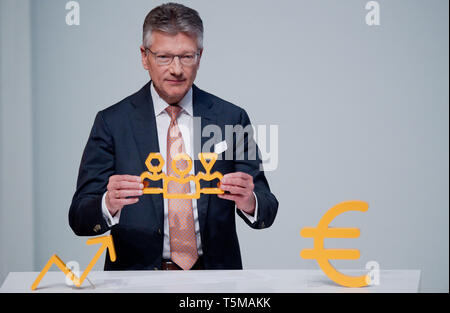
<point>241,175</point>
<point>123,184</point>
<point>230,197</point>
<point>236,190</point>
<point>130,178</point>
<point>120,194</point>
<point>128,201</point>
<point>115,194</point>
<point>234,181</point>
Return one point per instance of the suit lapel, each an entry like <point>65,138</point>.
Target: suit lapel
<point>202,107</point>
<point>143,123</point>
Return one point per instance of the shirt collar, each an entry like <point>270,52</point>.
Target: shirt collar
<point>160,105</point>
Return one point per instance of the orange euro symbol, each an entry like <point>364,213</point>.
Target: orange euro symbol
<point>106,241</point>
<point>322,255</point>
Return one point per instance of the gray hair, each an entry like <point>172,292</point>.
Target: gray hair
<point>173,18</point>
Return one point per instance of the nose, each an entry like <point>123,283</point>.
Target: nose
<point>176,68</point>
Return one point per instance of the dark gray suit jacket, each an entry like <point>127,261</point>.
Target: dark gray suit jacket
<point>120,140</point>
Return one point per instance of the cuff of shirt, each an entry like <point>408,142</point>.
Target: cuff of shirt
<point>110,220</point>
<point>253,218</point>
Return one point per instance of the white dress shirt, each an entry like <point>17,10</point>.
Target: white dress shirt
<point>185,122</point>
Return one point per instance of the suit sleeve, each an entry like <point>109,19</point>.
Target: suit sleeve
<point>247,160</point>
<point>97,165</point>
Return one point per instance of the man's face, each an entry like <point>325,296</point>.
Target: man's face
<point>171,81</point>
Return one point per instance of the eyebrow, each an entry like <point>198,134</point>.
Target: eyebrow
<point>184,52</point>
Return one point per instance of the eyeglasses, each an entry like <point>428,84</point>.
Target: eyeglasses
<point>187,59</point>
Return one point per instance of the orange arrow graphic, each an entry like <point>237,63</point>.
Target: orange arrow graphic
<point>106,242</point>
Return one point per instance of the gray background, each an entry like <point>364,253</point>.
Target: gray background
<point>362,114</point>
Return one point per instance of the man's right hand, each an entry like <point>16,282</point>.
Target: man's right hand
<point>120,187</point>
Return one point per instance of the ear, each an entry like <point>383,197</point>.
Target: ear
<point>145,62</point>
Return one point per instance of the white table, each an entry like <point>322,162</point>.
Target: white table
<point>211,281</point>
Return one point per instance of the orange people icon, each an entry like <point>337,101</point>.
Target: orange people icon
<point>155,173</point>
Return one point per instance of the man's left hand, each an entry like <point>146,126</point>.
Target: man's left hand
<point>240,187</point>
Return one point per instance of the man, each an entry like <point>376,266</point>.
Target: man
<point>149,231</point>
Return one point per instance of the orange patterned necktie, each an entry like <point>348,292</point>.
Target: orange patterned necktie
<point>183,244</point>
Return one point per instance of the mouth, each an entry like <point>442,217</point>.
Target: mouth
<point>175,81</point>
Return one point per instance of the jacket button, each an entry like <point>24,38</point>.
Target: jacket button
<point>263,225</point>
<point>97,228</point>
<point>155,268</point>
<point>159,231</point>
